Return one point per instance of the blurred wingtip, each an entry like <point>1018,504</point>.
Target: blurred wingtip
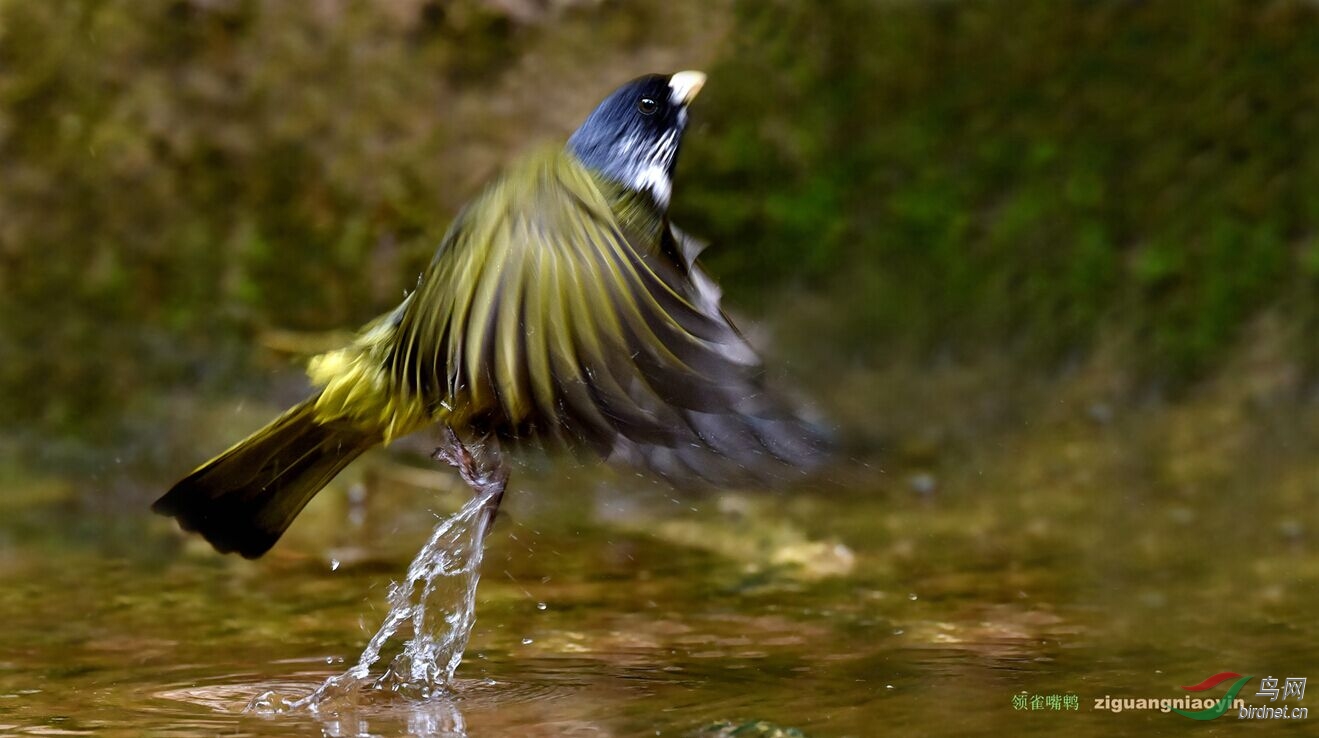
<point>736,450</point>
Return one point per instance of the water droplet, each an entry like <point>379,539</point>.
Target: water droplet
<point>527,641</point>
<point>541,606</point>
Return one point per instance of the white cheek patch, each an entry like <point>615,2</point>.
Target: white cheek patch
<point>655,180</point>
<point>651,164</point>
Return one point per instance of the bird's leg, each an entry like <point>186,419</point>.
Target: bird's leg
<point>481,466</point>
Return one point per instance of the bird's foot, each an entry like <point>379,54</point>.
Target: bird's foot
<point>480,465</point>
<point>455,454</point>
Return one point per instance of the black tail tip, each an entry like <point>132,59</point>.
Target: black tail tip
<point>227,530</point>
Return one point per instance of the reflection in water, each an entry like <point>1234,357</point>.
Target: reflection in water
<point>437,717</point>
<point>438,602</point>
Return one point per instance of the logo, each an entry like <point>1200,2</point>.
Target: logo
<point>1268,687</point>
<point>1217,710</point>
<point>1293,687</point>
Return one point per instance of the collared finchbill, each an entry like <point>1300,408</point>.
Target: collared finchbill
<point>561,308</point>
<point>685,85</point>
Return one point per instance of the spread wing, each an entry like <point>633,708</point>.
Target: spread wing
<point>544,317</point>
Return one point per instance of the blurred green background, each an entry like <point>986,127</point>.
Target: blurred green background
<point>1021,191</point>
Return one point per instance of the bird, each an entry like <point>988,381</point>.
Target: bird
<point>562,308</point>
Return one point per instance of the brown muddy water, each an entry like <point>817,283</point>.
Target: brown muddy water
<point>1005,594</point>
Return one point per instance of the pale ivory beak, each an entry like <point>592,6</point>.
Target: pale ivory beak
<point>685,85</point>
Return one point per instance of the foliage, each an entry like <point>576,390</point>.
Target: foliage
<point>1030,174</point>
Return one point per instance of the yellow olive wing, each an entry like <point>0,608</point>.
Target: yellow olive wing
<point>546,316</point>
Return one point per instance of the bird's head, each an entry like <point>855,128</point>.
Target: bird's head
<point>632,137</point>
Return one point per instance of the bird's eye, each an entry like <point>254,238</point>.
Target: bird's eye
<point>647,106</point>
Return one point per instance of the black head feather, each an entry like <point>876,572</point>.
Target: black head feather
<point>633,136</point>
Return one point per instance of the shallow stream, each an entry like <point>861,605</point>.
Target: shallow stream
<point>860,605</point>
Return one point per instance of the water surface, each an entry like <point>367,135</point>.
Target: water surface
<point>870,602</point>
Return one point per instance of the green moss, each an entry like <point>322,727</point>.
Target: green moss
<point>1140,165</point>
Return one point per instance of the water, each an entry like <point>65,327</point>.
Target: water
<point>1083,560</point>
<point>437,603</point>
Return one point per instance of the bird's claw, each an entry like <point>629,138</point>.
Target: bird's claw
<point>483,471</point>
<point>479,465</point>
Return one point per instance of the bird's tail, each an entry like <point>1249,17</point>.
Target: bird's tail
<point>244,499</point>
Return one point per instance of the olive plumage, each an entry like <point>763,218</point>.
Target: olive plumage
<point>561,307</point>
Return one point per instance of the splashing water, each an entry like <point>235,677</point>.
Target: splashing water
<point>437,600</point>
